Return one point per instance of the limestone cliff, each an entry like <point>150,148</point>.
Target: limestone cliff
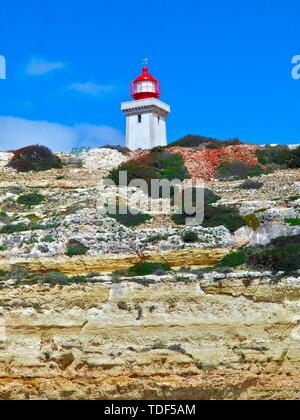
<point>189,333</point>
<point>230,337</point>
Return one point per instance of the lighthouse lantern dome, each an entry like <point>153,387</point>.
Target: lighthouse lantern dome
<point>145,86</point>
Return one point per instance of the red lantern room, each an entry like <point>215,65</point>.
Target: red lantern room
<point>145,86</point>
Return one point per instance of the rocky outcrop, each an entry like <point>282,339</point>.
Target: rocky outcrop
<point>105,159</point>
<point>264,234</point>
<point>213,338</point>
<point>269,231</point>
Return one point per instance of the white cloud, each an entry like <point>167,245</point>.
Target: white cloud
<point>93,89</point>
<point>39,66</point>
<point>16,133</point>
<point>98,135</point>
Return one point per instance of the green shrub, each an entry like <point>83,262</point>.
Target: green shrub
<point>157,238</point>
<point>147,268</point>
<point>75,248</point>
<point>53,278</point>
<point>31,199</point>
<point>282,254</point>
<point>274,156</point>
<point>252,221</point>
<point>190,237</point>
<point>34,158</point>
<point>251,185</point>
<point>4,217</point>
<point>48,239</point>
<point>32,240</point>
<point>158,149</point>
<point>293,222</point>
<point>171,166</point>
<point>3,248</point>
<point>223,216</point>
<point>294,197</point>
<point>295,163</point>
<point>21,227</point>
<point>238,170</point>
<point>129,219</point>
<point>235,259</point>
<point>208,142</point>
<point>279,156</point>
<point>134,171</point>
<point>153,165</point>
<point>209,197</point>
<point>213,216</point>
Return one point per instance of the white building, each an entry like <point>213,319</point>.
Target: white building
<point>146,116</point>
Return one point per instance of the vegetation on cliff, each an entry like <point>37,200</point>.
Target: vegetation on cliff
<point>144,268</point>
<point>76,248</point>
<point>34,158</point>
<point>250,184</point>
<point>213,215</point>
<point>31,199</point>
<point>153,165</point>
<point>128,217</point>
<point>207,142</point>
<point>281,254</point>
<point>238,170</point>
<point>280,156</point>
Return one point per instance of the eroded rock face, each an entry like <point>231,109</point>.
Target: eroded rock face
<point>231,338</point>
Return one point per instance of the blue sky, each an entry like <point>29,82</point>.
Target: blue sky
<point>224,66</point>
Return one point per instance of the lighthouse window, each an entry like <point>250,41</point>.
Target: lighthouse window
<point>158,118</point>
<point>145,87</point>
<point>139,119</point>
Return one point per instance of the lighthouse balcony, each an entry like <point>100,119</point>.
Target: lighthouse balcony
<point>146,105</point>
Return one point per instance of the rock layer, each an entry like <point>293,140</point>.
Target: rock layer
<point>204,339</point>
<point>109,263</point>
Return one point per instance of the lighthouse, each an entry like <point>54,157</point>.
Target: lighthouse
<point>146,115</point>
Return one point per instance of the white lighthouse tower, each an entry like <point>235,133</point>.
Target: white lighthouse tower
<point>146,116</point>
